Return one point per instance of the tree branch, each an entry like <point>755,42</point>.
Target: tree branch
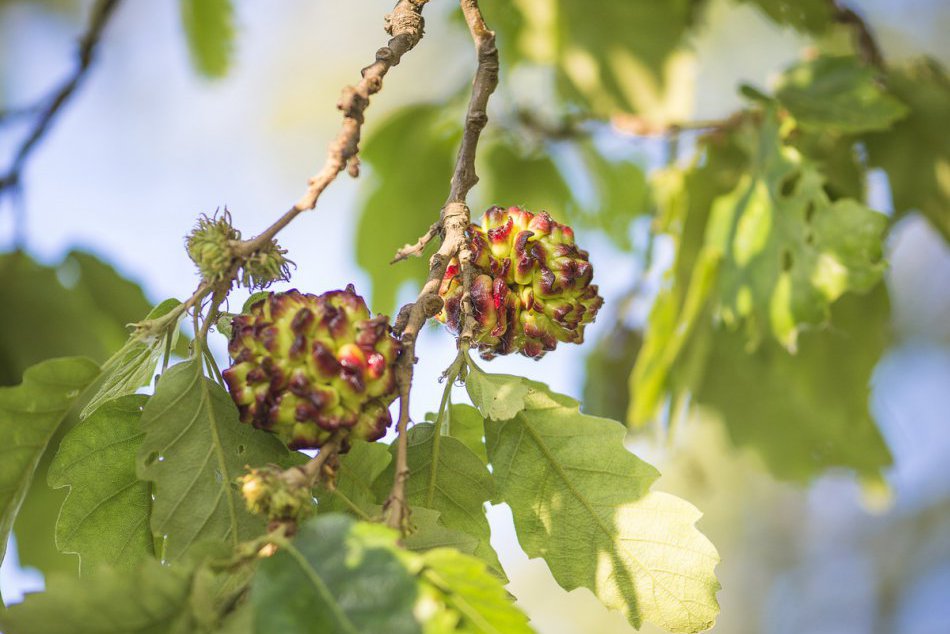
<point>47,114</point>
<point>453,223</point>
<point>406,25</point>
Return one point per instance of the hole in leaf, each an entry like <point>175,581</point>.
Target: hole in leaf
<point>787,260</point>
<point>789,183</point>
<point>241,449</point>
<point>809,211</point>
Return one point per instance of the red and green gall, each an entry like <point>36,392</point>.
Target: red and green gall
<point>305,366</point>
<point>532,285</point>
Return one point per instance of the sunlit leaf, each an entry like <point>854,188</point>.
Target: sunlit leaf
<point>472,600</point>
<point>104,519</point>
<point>30,414</point>
<point>788,251</point>
<point>582,502</point>
<point>916,152</point>
<point>838,94</point>
<point>193,451</point>
<point>625,56</point>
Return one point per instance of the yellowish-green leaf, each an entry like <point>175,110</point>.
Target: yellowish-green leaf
<point>209,27</point>
<point>837,94</point>
<point>582,502</point>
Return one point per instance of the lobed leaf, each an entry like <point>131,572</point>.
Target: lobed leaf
<point>837,94</point>
<point>582,502</point>
<point>194,449</point>
<point>133,366</point>
<point>105,517</point>
<point>30,415</point>
<point>788,251</point>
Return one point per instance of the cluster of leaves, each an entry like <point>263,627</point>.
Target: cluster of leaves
<point>774,309</point>
<point>165,544</point>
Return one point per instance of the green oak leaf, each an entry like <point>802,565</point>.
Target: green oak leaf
<point>513,177</point>
<point>624,57</point>
<point>684,197</point>
<point>788,251</point>
<point>104,519</point>
<point>47,319</point>
<point>837,94</point>
<point>30,415</point>
<point>122,299</point>
<point>353,491</point>
<point>193,451</point>
<point>133,366</point>
<point>149,599</point>
<point>428,532</point>
<point>471,599</point>
<point>810,16</point>
<point>402,198</point>
<point>582,502</point>
<point>209,27</point>
<point>808,412</point>
<point>465,424</point>
<point>448,477</point>
<point>915,153</point>
<point>336,576</point>
<point>497,396</point>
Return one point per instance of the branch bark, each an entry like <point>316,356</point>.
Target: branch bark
<point>454,220</point>
<point>88,46</point>
<point>405,25</point>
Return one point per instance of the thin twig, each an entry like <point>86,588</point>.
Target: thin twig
<point>410,250</point>
<point>405,26</point>
<point>88,45</point>
<point>454,221</point>
<point>864,40</point>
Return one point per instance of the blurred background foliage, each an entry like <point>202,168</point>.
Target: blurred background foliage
<point>765,193</point>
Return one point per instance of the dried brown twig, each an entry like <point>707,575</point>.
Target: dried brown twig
<point>405,26</point>
<point>48,109</point>
<point>453,221</point>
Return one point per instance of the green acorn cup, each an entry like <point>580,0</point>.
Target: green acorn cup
<point>532,285</point>
<point>306,366</point>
